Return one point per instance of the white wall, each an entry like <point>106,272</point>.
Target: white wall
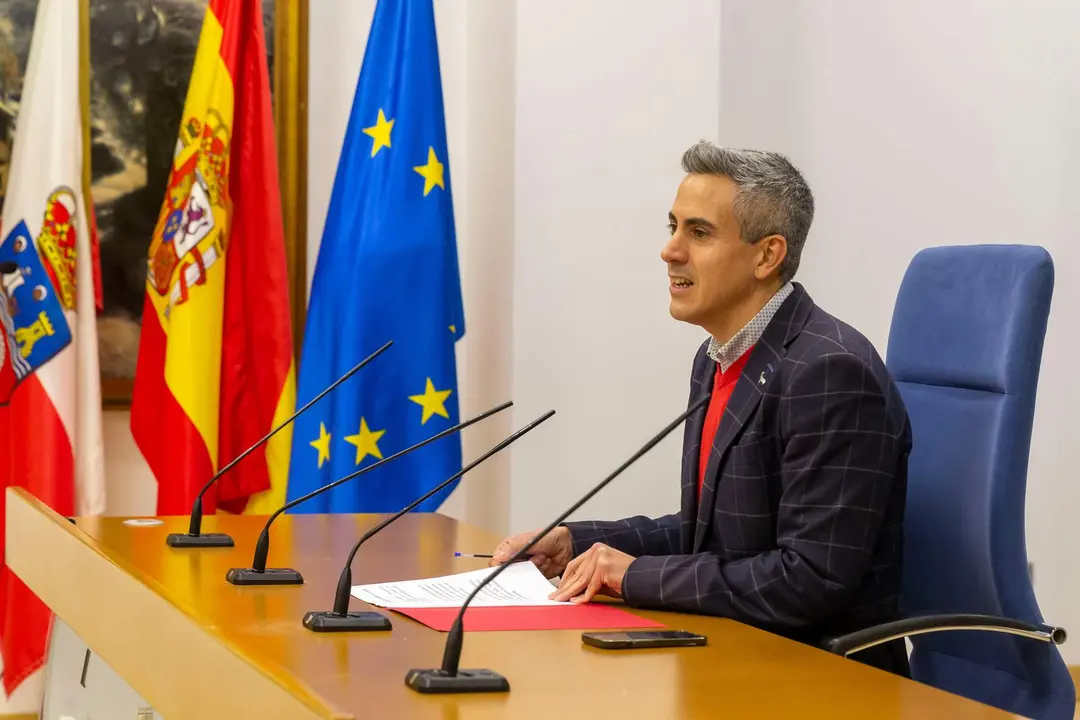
<point>130,486</point>
<point>609,94</point>
<point>926,123</point>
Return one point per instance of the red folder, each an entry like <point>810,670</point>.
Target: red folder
<point>591,616</point>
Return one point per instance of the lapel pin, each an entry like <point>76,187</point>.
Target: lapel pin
<point>761,380</point>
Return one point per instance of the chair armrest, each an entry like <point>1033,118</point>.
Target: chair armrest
<point>869,637</point>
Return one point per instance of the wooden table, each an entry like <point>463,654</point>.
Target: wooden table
<point>197,647</point>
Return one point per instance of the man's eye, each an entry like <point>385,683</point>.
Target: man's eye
<point>700,232</point>
<point>671,228</point>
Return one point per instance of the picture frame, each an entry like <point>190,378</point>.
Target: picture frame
<point>141,55</point>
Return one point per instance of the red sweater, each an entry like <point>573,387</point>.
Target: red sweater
<point>723,384</point>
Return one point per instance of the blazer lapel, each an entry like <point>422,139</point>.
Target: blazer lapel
<point>702,382</point>
<point>752,384</point>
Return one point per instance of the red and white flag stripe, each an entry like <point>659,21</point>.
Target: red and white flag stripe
<point>50,395</point>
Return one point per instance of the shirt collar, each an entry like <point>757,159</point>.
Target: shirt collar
<point>726,354</point>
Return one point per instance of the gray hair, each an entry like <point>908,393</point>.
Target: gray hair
<point>772,196</point>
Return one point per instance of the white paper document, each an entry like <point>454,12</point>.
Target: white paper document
<point>520,584</point>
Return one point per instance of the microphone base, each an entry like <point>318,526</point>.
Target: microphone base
<point>184,540</point>
<point>435,681</point>
<point>352,622</point>
<point>271,576</point>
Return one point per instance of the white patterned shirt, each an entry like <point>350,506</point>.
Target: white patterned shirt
<point>727,353</point>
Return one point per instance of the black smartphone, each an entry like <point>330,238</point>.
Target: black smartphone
<point>642,639</point>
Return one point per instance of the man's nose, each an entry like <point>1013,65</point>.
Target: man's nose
<point>674,251</point>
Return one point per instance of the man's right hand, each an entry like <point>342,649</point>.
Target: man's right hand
<point>551,554</point>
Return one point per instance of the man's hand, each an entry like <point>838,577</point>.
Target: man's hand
<point>550,554</point>
<point>600,569</point>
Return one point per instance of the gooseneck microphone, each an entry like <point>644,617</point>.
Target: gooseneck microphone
<point>340,619</point>
<point>8,267</point>
<point>259,574</point>
<point>193,537</point>
<point>448,678</point>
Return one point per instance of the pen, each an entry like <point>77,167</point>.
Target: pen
<point>482,555</point>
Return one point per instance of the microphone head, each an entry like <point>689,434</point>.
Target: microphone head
<point>8,267</point>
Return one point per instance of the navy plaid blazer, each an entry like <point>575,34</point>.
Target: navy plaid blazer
<point>799,530</point>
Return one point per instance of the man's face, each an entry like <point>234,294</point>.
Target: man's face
<point>710,269</point>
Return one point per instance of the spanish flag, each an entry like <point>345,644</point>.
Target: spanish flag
<point>215,370</point>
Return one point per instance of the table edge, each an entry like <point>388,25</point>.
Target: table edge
<point>109,596</point>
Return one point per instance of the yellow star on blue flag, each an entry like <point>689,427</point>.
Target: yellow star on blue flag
<point>387,270</point>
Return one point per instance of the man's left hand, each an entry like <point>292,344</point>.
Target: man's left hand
<point>600,569</point>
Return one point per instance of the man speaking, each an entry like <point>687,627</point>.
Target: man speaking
<point>794,477</point>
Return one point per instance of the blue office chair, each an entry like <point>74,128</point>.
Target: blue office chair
<point>965,349</point>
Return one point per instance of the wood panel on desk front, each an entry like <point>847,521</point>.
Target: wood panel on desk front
<point>195,646</point>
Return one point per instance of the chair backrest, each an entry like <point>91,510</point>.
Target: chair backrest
<point>965,350</point>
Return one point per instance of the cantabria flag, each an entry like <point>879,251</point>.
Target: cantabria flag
<point>50,396</point>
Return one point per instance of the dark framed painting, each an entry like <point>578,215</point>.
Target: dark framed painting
<point>141,55</point>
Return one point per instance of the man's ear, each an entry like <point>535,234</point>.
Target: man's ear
<point>773,249</point>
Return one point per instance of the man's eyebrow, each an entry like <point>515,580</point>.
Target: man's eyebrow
<point>693,221</point>
<point>699,221</point>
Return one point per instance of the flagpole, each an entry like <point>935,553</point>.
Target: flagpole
<point>87,444</point>
<point>84,92</point>
<point>290,120</point>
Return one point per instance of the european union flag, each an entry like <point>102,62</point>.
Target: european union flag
<point>387,270</point>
